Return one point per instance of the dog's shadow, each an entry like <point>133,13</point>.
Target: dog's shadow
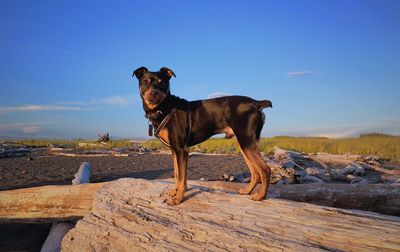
<point>195,190</point>
<point>191,192</point>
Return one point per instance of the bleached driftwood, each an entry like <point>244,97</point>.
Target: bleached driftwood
<point>90,155</point>
<point>88,144</point>
<point>370,162</point>
<point>283,154</point>
<point>382,198</point>
<point>384,170</point>
<point>390,178</point>
<point>57,232</point>
<point>83,174</point>
<point>13,152</point>
<point>47,203</point>
<point>294,167</point>
<point>195,153</point>
<point>57,203</point>
<point>336,158</point>
<point>131,215</point>
<point>56,149</point>
<point>307,179</point>
<point>60,229</point>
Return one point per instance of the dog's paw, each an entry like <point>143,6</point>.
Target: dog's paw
<point>173,201</point>
<point>172,192</point>
<point>244,191</point>
<point>257,197</point>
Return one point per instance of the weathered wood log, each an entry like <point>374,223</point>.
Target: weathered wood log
<point>83,174</point>
<point>384,170</point>
<point>336,158</point>
<point>60,229</point>
<point>57,232</point>
<point>90,155</point>
<point>14,152</point>
<point>307,179</point>
<point>369,162</point>
<point>381,198</point>
<point>47,203</point>
<point>131,215</point>
<point>56,203</point>
<point>285,154</point>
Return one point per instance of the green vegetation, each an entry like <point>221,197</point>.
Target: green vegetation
<point>71,143</point>
<point>385,146</point>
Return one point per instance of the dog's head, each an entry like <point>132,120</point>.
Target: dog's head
<point>153,86</point>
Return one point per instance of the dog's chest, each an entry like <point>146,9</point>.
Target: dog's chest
<point>163,135</point>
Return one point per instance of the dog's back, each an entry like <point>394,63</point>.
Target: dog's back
<point>229,114</point>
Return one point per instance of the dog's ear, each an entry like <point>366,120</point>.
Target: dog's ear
<point>167,72</point>
<point>139,72</point>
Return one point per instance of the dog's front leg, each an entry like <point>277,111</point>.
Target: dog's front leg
<point>172,192</point>
<point>180,156</point>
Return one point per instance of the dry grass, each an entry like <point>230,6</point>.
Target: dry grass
<point>385,146</point>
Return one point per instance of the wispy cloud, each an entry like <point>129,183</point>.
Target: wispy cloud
<point>116,100</point>
<point>217,94</point>
<point>296,74</point>
<point>31,129</point>
<point>384,125</point>
<point>31,108</point>
<point>22,129</point>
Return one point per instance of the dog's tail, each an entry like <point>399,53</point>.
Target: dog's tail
<point>264,104</point>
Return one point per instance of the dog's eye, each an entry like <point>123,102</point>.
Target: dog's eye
<point>145,83</point>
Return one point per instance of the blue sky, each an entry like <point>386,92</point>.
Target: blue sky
<point>331,68</point>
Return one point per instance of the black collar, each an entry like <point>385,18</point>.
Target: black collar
<point>153,116</point>
<point>161,115</point>
<point>164,122</point>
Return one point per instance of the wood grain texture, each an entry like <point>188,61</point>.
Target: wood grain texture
<point>67,202</point>
<point>47,203</point>
<point>131,215</point>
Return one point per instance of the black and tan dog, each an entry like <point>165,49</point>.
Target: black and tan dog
<point>180,124</point>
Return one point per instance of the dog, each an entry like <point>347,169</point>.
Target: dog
<point>179,124</point>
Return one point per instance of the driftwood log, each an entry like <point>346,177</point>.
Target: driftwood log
<point>47,203</point>
<point>381,198</point>
<point>372,164</point>
<point>57,232</point>
<point>131,215</point>
<point>60,229</point>
<point>63,203</point>
<point>14,152</point>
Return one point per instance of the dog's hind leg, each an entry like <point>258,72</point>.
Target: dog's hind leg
<point>256,164</point>
<point>255,177</point>
<point>263,170</point>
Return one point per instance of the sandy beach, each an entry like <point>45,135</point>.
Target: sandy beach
<point>21,172</point>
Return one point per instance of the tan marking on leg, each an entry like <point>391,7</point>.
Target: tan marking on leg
<point>182,158</point>
<point>172,192</point>
<point>263,170</point>
<point>255,177</point>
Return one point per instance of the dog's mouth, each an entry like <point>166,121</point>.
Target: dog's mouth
<point>152,98</point>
